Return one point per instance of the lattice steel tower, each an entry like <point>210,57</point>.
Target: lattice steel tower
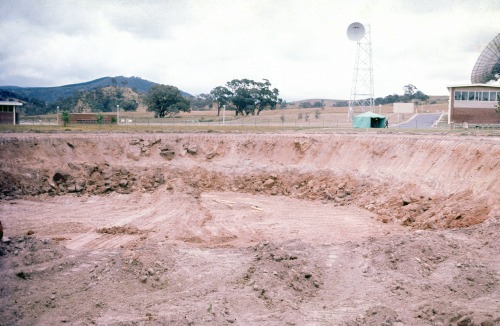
<point>362,98</point>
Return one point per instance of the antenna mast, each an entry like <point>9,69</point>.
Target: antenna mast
<point>362,95</point>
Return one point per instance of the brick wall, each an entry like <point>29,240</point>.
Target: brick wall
<point>6,118</point>
<point>480,116</point>
<point>87,118</point>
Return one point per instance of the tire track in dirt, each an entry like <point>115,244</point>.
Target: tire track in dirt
<point>254,218</point>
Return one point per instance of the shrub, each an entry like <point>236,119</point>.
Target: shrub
<point>66,118</point>
<point>99,117</point>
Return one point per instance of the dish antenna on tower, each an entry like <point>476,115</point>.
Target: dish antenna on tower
<point>487,67</point>
<point>362,77</point>
<point>355,32</point>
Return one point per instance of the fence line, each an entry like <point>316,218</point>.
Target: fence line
<point>250,122</point>
<point>300,123</point>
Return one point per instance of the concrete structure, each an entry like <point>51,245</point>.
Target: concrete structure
<point>8,114</point>
<point>404,107</point>
<point>473,103</point>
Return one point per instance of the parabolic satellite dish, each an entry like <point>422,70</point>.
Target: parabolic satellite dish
<point>487,66</point>
<point>355,32</point>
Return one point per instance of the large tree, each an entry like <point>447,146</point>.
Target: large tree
<point>265,97</point>
<point>409,90</point>
<point>165,101</point>
<point>246,96</point>
<point>250,97</point>
<point>241,97</point>
<point>220,95</point>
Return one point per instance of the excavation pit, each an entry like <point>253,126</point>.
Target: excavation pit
<point>249,228</point>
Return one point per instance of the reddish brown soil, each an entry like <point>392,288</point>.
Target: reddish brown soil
<point>289,229</point>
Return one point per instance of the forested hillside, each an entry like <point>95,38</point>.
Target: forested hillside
<point>99,95</point>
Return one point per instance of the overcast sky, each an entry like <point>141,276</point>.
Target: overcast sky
<point>300,46</point>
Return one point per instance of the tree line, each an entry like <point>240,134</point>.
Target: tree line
<point>411,93</point>
<point>243,96</point>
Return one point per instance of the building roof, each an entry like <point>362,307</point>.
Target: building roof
<point>474,85</point>
<point>370,114</point>
<point>488,63</point>
<point>11,103</point>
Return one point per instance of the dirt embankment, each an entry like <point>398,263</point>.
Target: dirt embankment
<point>421,181</point>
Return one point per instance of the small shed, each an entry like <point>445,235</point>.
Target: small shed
<point>369,120</point>
<point>8,114</point>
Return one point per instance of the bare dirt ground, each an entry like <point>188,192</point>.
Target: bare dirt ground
<point>249,229</point>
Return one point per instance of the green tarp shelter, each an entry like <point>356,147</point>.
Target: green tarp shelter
<point>369,120</point>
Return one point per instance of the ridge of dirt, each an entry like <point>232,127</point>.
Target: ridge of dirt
<point>204,229</point>
<point>423,182</point>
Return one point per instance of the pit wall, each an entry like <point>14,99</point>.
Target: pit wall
<point>409,178</point>
<point>445,164</point>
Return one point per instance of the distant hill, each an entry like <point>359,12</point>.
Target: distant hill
<point>52,94</point>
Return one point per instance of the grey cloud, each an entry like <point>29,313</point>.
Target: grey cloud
<point>195,43</point>
<point>67,17</point>
<point>149,19</point>
<point>442,6</point>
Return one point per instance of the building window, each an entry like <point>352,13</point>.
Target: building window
<point>6,108</point>
<point>493,96</point>
<point>476,96</point>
